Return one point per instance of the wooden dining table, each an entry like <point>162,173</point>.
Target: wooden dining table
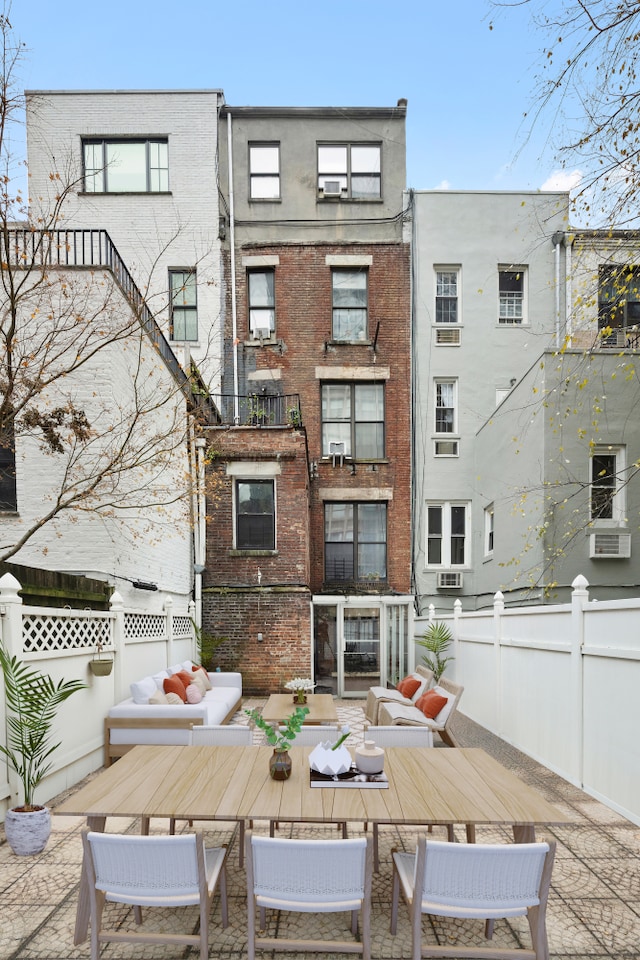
<point>426,786</point>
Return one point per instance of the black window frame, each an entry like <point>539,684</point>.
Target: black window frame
<point>353,570</point>
<point>352,446</point>
<point>346,176</point>
<point>8,486</point>
<point>103,169</point>
<point>255,534</point>
<point>189,310</point>
<point>618,296</point>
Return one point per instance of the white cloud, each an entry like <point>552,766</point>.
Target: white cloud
<point>563,180</point>
<point>443,185</point>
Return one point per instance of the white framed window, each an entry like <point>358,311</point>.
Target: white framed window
<point>262,303</point>
<point>512,295</point>
<point>447,534</point>
<point>126,165</point>
<point>349,170</point>
<point>447,303</point>
<point>607,505</point>
<point>446,401</point>
<point>264,171</point>
<point>488,530</point>
<point>349,304</point>
<point>183,291</point>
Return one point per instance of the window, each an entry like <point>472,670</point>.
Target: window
<point>350,301</point>
<point>488,531</point>
<point>126,166</point>
<point>618,300</point>
<point>255,515</point>
<point>349,170</point>
<point>511,296</point>
<point>262,303</point>
<point>446,296</point>
<point>8,493</point>
<point>445,411</point>
<point>184,304</point>
<point>447,525</point>
<point>264,171</point>
<point>607,485</point>
<point>355,541</point>
<point>353,414</point>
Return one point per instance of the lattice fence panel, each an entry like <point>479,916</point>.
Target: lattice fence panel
<point>145,626</point>
<point>182,627</point>
<point>48,633</point>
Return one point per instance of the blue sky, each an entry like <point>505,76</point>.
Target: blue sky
<point>468,86</point>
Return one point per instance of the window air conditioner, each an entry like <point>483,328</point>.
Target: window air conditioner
<point>604,546</point>
<point>261,333</point>
<point>337,452</point>
<point>451,580</point>
<point>332,188</point>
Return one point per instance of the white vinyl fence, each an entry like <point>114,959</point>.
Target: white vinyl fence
<point>61,642</point>
<point>559,683</point>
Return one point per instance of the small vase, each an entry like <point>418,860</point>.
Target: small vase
<point>280,765</point>
<point>300,697</point>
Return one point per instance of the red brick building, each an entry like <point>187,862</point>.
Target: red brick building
<point>309,532</point>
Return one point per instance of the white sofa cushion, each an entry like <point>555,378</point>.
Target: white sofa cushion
<point>141,690</point>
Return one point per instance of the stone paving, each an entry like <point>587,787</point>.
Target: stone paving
<point>593,912</point>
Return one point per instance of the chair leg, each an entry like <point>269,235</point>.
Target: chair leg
<point>376,854</point>
<point>144,826</point>
<point>471,832</point>
<point>137,914</point>
<point>395,895</point>
<point>224,903</point>
<point>488,929</point>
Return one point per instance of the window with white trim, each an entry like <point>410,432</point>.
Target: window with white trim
<point>349,170</point>
<point>353,415</point>
<point>255,515</point>
<point>445,406</point>
<point>488,530</point>
<point>355,536</point>
<point>264,171</point>
<point>607,500</point>
<point>349,304</point>
<point>262,303</point>
<point>126,165</point>
<point>447,537</point>
<point>184,304</point>
<point>446,296</point>
<point>511,295</point>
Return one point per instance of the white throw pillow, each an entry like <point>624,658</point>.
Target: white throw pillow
<point>159,697</point>
<point>160,677</point>
<point>174,699</point>
<point>141,690</point>
<point>446,710</point>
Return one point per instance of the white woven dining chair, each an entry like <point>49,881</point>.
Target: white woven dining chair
<point>481,881</point>
<point>220,735</point>
<point>309,876</point>
<point>152,871</point>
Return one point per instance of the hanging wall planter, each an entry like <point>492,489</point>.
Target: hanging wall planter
<point>99,666</point>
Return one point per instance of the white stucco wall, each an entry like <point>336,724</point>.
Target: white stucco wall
<point>152,232</point>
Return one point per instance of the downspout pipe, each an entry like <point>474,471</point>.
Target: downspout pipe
<point>232,244</point>
<point>557,240</point>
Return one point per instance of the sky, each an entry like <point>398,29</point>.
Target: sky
<point>467,85</point>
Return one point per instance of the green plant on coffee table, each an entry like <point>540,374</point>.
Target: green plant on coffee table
<point>436,640</point>
<point>280,739</point>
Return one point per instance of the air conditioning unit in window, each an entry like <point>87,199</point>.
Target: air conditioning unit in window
<point>449,580</point>
<point>337,452</point>
<point>332,188</point>
<point>603,546</point>
<point>261,333</point>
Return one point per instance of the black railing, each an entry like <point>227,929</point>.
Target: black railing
<point>258,409</point>
<point>28,249</point>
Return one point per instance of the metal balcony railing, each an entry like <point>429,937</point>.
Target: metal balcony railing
<point>258,409</point>
<point>28,249</point>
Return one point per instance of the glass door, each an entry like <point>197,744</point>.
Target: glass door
<point>360,650</point>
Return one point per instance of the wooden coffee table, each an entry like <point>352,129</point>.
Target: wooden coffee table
<point>322,708</point>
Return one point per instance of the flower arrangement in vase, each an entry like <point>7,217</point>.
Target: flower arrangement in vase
<point>300,687</point>
<point>280,739</point>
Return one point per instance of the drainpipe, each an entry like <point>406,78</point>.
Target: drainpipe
<point>232,243</point>
<point>200,542</point>
<point>557,240</point>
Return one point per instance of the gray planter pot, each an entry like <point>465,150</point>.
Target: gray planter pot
<point>100,668</point>
<point>27,832</point>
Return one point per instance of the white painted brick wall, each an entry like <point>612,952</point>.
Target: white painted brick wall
<point>152,544</point>
<point>152,232</point>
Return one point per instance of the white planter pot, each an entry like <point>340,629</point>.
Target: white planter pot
<point>27,832</point>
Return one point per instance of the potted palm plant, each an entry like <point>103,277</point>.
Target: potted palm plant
<point>436,640</point>
<point>32,701</point>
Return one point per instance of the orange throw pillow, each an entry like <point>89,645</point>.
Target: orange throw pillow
<point>409,687</point>
<point>431,703</point>
<point>185,676</point>
<point>400,684</point>
<point>174,684</point>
